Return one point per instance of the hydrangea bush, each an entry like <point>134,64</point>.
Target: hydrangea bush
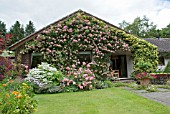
<point>45,78</point>
<point>81,78</point>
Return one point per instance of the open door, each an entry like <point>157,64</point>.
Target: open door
<point>119,63</point>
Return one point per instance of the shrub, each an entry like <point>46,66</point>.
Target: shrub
<point>81,78</point>
<point>17,98</point>
<point>109,83</point>
<point>119,84</point>
<point>151,88</point>
<point>167,69</point>
<point>100,84</point>
<point>5,67</point>
<point>45,79</point>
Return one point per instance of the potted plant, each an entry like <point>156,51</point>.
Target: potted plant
<point>144,78</point>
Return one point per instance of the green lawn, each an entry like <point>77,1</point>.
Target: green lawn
<point>106,101</point>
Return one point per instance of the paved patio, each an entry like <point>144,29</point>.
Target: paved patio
<point>163,96</point>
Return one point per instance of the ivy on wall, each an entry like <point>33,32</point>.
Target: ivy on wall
<point>60,44</point>
<point>145,54</point>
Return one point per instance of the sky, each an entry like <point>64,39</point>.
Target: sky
<point>45,12</point>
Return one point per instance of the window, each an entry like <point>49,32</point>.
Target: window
<point>36,59</point>
<point>85,56</point>
<point>161,60</point>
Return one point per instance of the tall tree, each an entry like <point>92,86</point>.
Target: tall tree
<point>2,28</point>
<point>29,29</point>
<point>165,32</point>
<point>140,27</point>
<point>17,31</point>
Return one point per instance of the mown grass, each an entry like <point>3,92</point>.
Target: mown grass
<point>106,101</point>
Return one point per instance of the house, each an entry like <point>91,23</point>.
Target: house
<point>83,37</point>
<point>163,45</point>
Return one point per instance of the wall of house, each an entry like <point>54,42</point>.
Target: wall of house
<point>162,67</point>
<point>129,65</point>
<point>22,58</point>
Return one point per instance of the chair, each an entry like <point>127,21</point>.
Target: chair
<point>114,73</point>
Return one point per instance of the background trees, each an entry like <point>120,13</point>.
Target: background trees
<point>29,29</point>
<point>165,32</point>
<point>2,28</point>
<point>17,30</point>
<point>140,27</point>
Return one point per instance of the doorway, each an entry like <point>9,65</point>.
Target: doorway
<point>119,63</point>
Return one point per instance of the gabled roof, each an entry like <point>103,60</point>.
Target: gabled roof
<point>163,44</point>
<point>28,38</point>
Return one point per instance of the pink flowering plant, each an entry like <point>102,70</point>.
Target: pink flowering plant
<point>60,43</point>
<point>144,75</point>
<point>81,78</point>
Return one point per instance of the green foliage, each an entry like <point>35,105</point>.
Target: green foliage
<point>167,69</point>
<point>143,66</point>
<point>143,53</point>
<point>100,84</point>
<point>17,31</point>
<point>109,83</point>
<point>45,79</point>
<point>151,88</point>
<point>83,32</point>
<point>140,27</point>
<point>17,98</point>
<point>119,84</point>
<point>29,29</point>
<point>165,32</point>
<point>2,28</point>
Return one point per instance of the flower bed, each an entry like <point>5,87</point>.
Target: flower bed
<point>161,78</point>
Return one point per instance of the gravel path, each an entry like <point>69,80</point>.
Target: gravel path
<point>163,96</point>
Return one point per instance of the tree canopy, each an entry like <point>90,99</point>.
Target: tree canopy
<point>17,31</point>
<point>165,32</point>
<point>29,29</point>
<point>140,27</point>
<point>2,28</point>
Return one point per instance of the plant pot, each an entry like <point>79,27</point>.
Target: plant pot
<point>144,82</point>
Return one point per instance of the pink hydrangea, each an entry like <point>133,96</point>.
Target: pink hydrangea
<point>91,78</point>
<point>73,66</point>
<point>65,27</point>
<point>67,68</point>
<point>88,65</point>
<point>80,86</point>
<point>84,63</point>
